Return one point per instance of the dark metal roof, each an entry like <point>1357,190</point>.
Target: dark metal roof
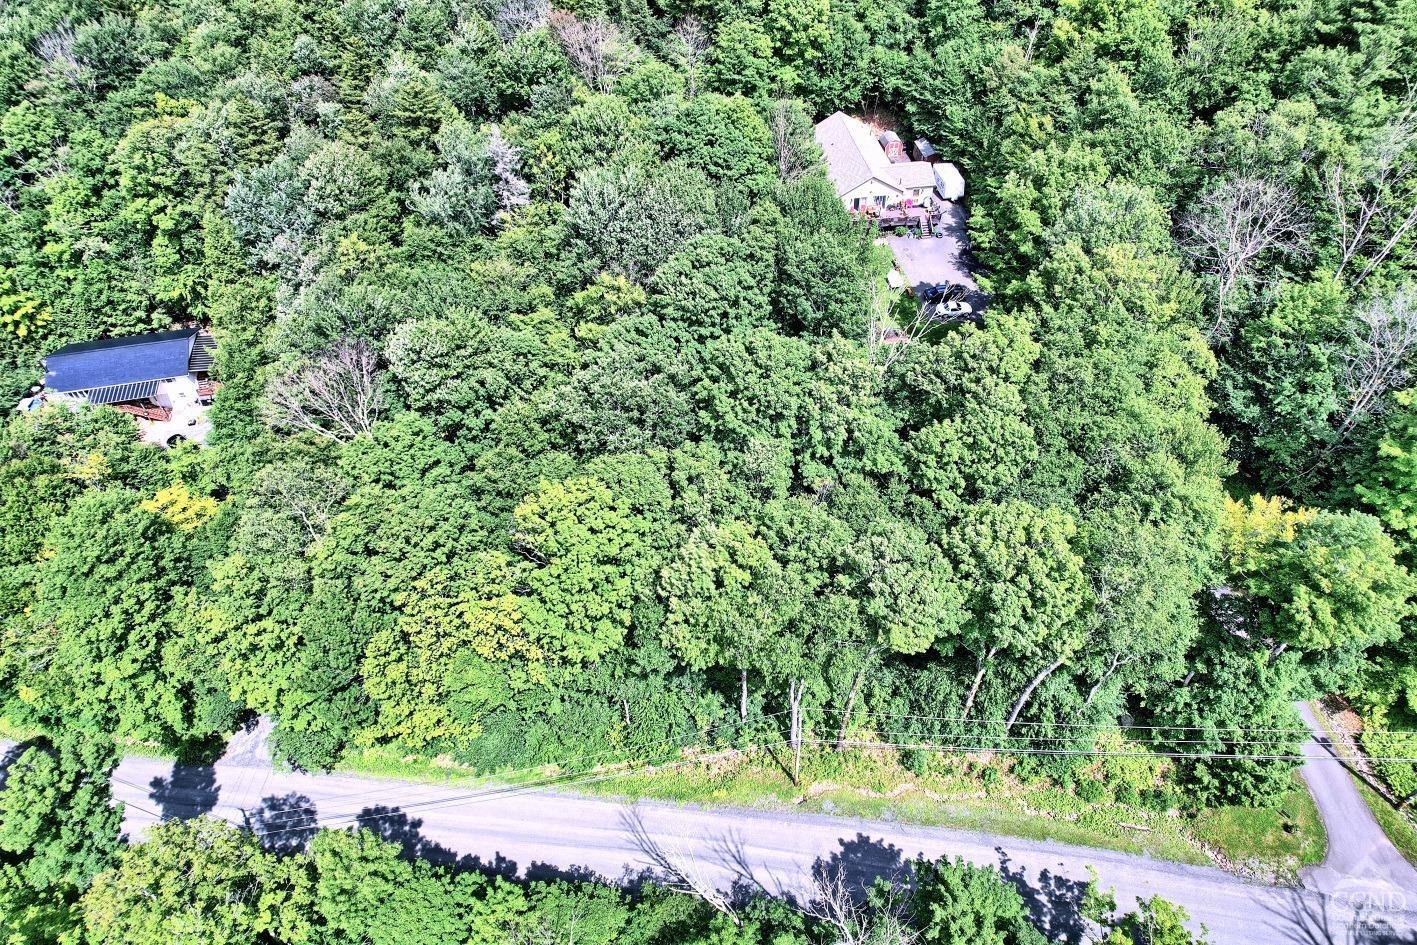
<point>115,362</point>
<point>203,354</point>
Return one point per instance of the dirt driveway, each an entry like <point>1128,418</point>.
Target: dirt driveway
<point>940,259</point>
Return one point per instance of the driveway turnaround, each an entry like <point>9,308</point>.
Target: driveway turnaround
<point>528,832</point>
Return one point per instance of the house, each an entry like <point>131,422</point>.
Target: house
<point>163,377</point>
<point>860,165</point>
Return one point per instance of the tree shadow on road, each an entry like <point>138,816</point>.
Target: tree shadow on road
<point>1055,903</point>
<point>395,826</point>
<point>190,792</point>
<point>546,873</point>
<point>283,824</point>
<point>1306,918</point>
<point>861,861</point>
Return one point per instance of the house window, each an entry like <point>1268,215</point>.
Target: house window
<point>880,201</point>
<point>855,203</point>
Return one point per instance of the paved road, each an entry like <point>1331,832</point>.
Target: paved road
<point>1359,853</point>
<point>543,835</point>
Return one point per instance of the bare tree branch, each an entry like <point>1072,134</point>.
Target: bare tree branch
<point>886,343</point>
<point>852,920</point>
<point>334,394</point>
<point>690,44</point>
<point>512,191</point>
<point>1235,223</point>
<point>515,17</point>
<point>595,47</point>
<point>56,48</point>
<point>1384,332</point>
<point>678,867</point>
<point>1375,203</point>
<point>791,141</point>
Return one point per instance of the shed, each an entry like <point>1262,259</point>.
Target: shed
<point>924,151</point>
<point>861,169</point>
<point>949,181</point>
<point>893,146</point>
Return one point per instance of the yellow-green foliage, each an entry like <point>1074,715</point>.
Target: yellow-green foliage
<point>20,312</point>
<point>1250,529</point>
<point>179,506</point>
<point>1379,743</point>
<point>1125,763</point>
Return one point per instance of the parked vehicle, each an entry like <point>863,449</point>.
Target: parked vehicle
<point>942,292</point>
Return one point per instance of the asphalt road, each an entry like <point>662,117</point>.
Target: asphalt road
<point>544,835</point>
<point>940,259</point>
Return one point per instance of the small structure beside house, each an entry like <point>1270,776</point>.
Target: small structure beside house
<point>949,182</point>
<point>860,164</point>
<point>923,150</point>
<point>893,146</point>
<point>162,378</point>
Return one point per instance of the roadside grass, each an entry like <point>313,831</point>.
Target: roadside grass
<point>1394,823</point>
<point>11,732</point>
<point>397,765</point>
<point>954,792</point>
<point>1290,833</point>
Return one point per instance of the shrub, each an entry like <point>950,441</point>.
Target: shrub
<point>1093,792</point>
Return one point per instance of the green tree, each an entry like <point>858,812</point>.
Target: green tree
<point>585,544</point>
<point>961,904</point>
<point>741,59</point>
<point>1024,588</point>
<point>58,824</point>
<point>1314,580</point>
<point>628,219</point>
<point>198,879</point>
<point>726,601</point>
<point>1386,480</point>
<point>108,596</point>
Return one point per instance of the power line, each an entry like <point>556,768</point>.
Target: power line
<point>1031,739</point>
<point>511,790</point>
<point>1106,725</point>
<point>517,790</point>
<point>1202,756</point>
<point>150,813</point>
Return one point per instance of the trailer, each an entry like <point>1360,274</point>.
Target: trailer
<point>949,182</point>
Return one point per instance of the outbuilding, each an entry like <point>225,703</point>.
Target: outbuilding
<point>860,166</point>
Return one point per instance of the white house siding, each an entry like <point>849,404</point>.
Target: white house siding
<point>177,392</point>
<point>868,192</point>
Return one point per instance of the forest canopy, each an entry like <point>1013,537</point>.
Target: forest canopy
<point>553,424</point>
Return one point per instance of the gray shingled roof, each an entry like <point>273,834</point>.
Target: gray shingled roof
<point>914,174</point>
<point>853,156</point>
